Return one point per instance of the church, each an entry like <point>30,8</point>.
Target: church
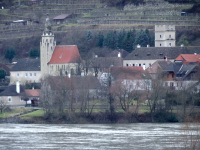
<point>55,60</point>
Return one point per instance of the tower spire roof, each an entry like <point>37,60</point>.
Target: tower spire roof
<point>47,25</point>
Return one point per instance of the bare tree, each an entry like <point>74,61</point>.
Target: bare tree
<point>3,105</point>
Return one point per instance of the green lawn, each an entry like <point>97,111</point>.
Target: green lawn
<point>14,111</point>
<point>37,113</point>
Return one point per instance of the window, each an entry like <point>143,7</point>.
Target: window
<point>17,74</point>
<point>160,36</point>
<point>149,64</point>
<point>170,36</point>
<point>171,84</point>
<point>26,74</point>
<point>30,74</point>
<point>139,64</point>
<point>160,44</point>
<point>170,44</point>
<point>35,74</point>
<point>46,40</point>
<point>21,100</point>
<point>172,75</point>
<point>133,64</point>
<point>143,63</point>
<point>72,71</point>
<point>126,64</point>
<point>9,99</point>
<point>51,41</point>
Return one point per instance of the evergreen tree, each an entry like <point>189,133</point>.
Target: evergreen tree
<point>111,40</point>
<point>141,38</point>
<point>89,35</point>
<point>148,35</point>
<point>121,35</point>
<point>34,52</point>
<point>10,54</point>
<point>2,73</point>
<point>128,42</point>
<point>100,40</point>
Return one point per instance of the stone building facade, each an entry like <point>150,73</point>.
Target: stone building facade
<point>165,36</point>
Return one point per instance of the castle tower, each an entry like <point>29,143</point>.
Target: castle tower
<point>165,36</point>
<point>47,46</point>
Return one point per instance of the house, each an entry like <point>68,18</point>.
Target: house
<point>97,65</point>
<point>157,67</point>
<point>75,87</point>
<point>12,95</point>
<point>118,53</point>
<point>133,78</point>
<point>165,36</point>
<point>146,56</point>
<point>188,58</point>
<point>26,71</point>
<point>32,96</point>
<point>61,19</point>
<point>180,75</point>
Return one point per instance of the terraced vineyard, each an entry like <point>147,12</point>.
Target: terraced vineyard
<point>92,14</point>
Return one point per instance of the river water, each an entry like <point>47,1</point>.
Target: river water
<point>141,136</point>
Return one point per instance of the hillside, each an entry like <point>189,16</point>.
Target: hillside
<point>95,15</point>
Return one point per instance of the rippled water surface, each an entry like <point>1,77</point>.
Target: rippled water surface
<point>101,137</point>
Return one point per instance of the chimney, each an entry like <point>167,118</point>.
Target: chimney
<point>144,67</point>
<point>69,75</point>
<point>195,53</point>
<point>119,54</point>
<point>33,88</point>
<point>138,46</point>
<point>96,56</point>
<point>148,45</point>
<point>182,45</point>
<point>82,73</point>
<point>18,87</point>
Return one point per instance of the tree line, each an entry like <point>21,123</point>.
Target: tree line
<point>126,40</point>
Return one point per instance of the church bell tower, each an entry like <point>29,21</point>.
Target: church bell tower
<point>47,46</point>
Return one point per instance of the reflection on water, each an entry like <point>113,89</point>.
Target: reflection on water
<point>121,136</point>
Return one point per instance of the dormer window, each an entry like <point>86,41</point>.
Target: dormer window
<point>148,54</point>
<point>161,54</point>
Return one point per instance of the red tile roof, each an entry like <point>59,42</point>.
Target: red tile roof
<point>189,57</point>
<point>127,72</point>
<point>33,93</point>
<point>65,54</point>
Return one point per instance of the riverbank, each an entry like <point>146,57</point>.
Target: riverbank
<point>95,118</point>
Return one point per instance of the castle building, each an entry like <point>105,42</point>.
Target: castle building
<point>165,36</point>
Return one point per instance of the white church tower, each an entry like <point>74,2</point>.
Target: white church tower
<point>47,46</point>
<point>165,36</point>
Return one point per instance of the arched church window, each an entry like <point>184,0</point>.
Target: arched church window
<point>72,71</point>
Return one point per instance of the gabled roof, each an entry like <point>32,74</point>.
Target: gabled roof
<point>116,52</point>
<point>188,57</point>
<point>27,65</point>
<point>33,92</point>
<point>181,70</point>
<point>11,91</point>
<point>75,82</point>
<point>127,72</point>
<point>65,54</point>
<point>151,53</point>
<point>63,16</point>
<point>5,68</point>
<point>158,65</point>
<point>104,62</point>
